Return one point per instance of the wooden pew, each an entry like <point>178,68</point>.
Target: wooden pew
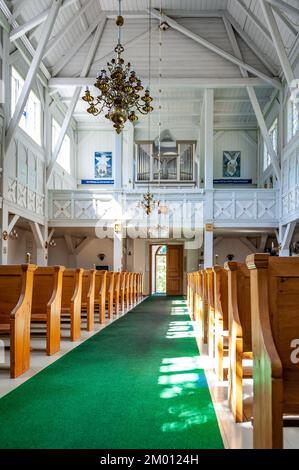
<point>191,293</point>
<point>100,295</point>
<point>240,343</point>
<point>116,292</point>
<point>195,296</point>
<point>221,319</point>
<point>122,291</point>
<point>127,290</point>
<point>141,284</point>
<point>110,293</point>
<point>16,286</point>
<point>71,300</point>
<point>275,332</point>
<point>188,289</point>
<point>203,305</point>
<point>46,303</point>
<point>135,290</point>
<point>130,287</point>
<point>88,296</point>
<point>211,312</point>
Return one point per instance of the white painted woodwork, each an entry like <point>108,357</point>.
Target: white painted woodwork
<point>209,138</point>
<point>32,72</point>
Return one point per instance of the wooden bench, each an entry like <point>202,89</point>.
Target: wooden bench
<point>71,300</point>
<point>110,293</point>
<point>88,296</point>
<point>203,305</point>
<point>189,289</point>
<point>221,320</point>
<point>211,312</point>
<point>275,333</point>
<point>46,303</point>
<point>127,290</point>
<point>16,287</point>
<point>100,295</point>
<point>240,343</point>
<point>135,276</point>
<point>131,277</point>
<point>141,284</point>
<point>195,296</point>
<point>122,291</point>
<point>116,292</point>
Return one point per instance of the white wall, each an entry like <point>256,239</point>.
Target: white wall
<point>18,248</point>
<point>231,246</point>
<point>88,256</point>
<point>237,140</point>
<point>92,140</point>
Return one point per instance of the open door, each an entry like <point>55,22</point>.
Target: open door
<point>174,270</point>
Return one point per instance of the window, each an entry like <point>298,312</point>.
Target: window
<point>64,157</point>
<point>293,119</point>
<point>273,132</point>
<point>30,121</point>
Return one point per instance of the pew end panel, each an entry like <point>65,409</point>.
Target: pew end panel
<point>275,323</point>
<point>211,312</point>
<point>110,293</point>
<point>16,286</point>
<point>240,343</point>
<point>221,320</point>
<point>100,294</point>
<point>71,300</point>
<point>46,304</point>
<point>88,296</point>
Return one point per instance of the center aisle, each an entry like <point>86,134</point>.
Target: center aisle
<point>136,384</point>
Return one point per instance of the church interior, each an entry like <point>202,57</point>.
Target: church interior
<point>149,197</point>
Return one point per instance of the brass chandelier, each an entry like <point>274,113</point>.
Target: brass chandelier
<point>148,203</point>
<point>120,89</point>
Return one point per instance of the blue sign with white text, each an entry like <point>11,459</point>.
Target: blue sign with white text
<point>97,181</point>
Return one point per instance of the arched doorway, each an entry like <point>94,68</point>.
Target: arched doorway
<point>161,269</point>
<point>158,269</point>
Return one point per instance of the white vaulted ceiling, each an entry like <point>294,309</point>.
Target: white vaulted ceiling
<point>181,56</point>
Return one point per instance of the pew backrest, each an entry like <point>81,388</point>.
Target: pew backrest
<point>47,288</point>
<point>221,294</point>
<point>275,286</point>
<point>88,285</point>
<point>71,287</point>
<point>15,289</point>
<point>100,283</point>
<point>240,299</point>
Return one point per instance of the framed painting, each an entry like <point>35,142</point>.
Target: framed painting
<point>103,165</point>
<point>231,164</point>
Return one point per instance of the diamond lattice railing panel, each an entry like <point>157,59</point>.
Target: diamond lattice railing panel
<point>31,198</point>
<point>266,209</point>
<point>291,201</point>
<point>62,209</point>
<point>39,204</point>
<point>12,190</point>
<point>223,210</point>
<point>245,210</point>
<point>22,196</point>
<point>85,210</point>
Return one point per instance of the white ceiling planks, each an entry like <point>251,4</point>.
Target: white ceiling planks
<point>182,56</point>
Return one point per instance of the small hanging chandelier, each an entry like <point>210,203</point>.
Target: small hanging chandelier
<point>148,203</point>
<point>120,89</point>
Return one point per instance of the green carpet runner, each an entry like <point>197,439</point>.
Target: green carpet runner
<point>136,384</point>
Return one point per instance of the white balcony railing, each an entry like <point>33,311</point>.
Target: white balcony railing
<point>230,208</point>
